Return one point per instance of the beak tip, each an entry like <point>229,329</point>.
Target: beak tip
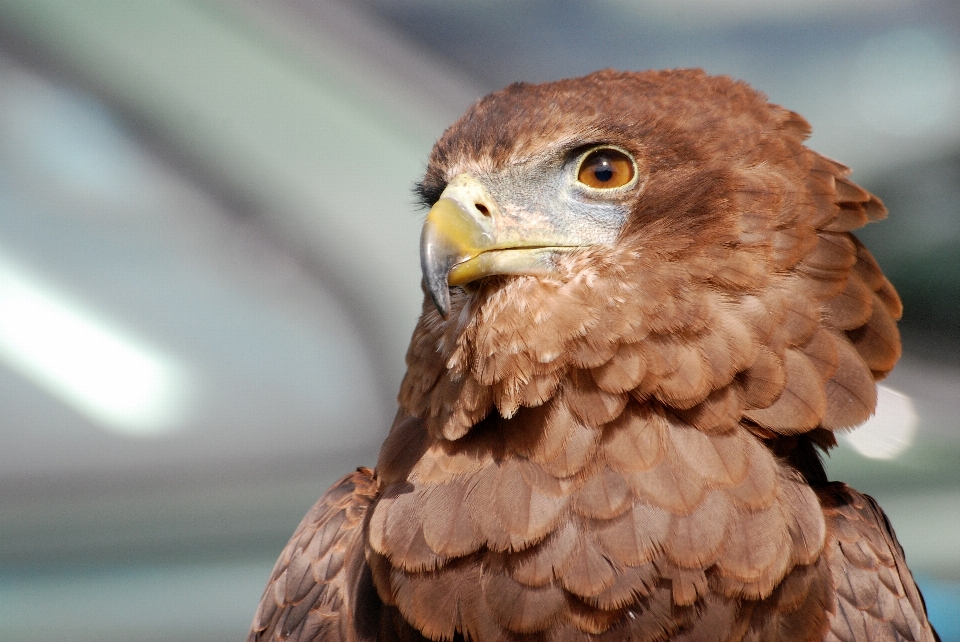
<point>442,302</point>
<point>435,283</point>
<point>435,262</point>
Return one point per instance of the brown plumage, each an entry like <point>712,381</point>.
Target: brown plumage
<point>610,423</point>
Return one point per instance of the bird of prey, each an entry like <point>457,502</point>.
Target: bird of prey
<point>645,318</point>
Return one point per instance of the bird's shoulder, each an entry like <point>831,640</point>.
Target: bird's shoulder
<point>876,596</point>
<point>316,590</point>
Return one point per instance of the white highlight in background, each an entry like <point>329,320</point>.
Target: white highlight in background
<point>111,377</point>
<point>890,431</point>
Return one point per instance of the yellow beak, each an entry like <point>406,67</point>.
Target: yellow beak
<point>467,237</point>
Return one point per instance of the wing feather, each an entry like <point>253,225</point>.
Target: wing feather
<point>876,597</point>
<point>313,592</point>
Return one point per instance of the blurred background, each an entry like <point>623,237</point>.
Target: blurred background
<point>209,273</point>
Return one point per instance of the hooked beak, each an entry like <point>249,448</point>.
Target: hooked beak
<point>466,236</point>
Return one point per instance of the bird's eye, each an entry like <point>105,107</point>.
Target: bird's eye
<point>606,168</point>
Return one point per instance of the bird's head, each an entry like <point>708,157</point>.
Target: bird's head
<point>657,236</point>
<point>535,174</point>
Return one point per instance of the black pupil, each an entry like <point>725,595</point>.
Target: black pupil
<point>602,170</point>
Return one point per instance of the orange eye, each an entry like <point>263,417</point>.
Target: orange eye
<point>606,168</point>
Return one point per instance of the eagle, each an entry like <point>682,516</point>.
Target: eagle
<point>645,319</point>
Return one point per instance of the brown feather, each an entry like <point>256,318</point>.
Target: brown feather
<point>689,382</point>
<point>792,244</point>
<point>634,537</point>
<point>695,541</point>
<point>577,450</point>
<point>852,307</point>
<point>720,459</point>
<point>878,340</point>
<point>851,394</point>
<point>546,430</point>
<point>629,583</point>
<point>530,511</point>
<point>313,586</point>
<point>764,380</point>
<point>668,485</point>
<point>876,596</point>
<point>635,442</point>
<point>399,539</point>
<point>589,403</point>
<point>520,608</point>
<point>801,404</point>
<point>542,563</point>
<point>623,372</point>
<point>604,495</point>
<point>759,556</point>
<point>718,413</point>
<point>589,620</point>
<point>447,527</point>
<point>760,487</point>
<point>588,571</point>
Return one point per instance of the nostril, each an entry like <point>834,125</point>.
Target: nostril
<point>483,209</point>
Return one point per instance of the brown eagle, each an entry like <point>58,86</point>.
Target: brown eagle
<point>646,317</point>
